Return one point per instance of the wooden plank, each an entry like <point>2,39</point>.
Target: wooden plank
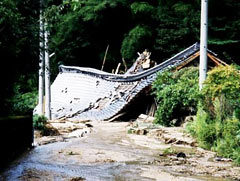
<point>117,69</point>
<point>125,65</point>
<point>188,60</point>
<point>217,60</point>
<point>213,59</point>
<point>104,59</point>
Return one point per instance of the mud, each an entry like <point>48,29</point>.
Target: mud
<point>110,153</point>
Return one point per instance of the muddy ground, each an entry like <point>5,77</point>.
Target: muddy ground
<point>119,151</point>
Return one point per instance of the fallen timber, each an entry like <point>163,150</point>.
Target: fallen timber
<point>89,94</point>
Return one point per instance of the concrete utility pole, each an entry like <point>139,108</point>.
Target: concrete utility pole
<point>203,43</point>
<point>41,62</point>
<point>47,76</point>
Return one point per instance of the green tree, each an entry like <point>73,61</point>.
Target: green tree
<point>18,42</point>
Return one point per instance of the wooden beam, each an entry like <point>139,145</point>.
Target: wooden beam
<point>117,69</point>
<point>104,59</point>
<point>125,65</point>
<point>216,60</point>
<point>188,60</point>
<point>213,59</point>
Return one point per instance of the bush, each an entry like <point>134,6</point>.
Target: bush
<point>223,84</point>
<point>39,122</point>
<point>23,103</point>
<point>177,95</point>
<point>24,97</point>
<point>217,125</point>
<point>229,143</point>
<point>204,129</point>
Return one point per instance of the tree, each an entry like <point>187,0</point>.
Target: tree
<point>18,47</point>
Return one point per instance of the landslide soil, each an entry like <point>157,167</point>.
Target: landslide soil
<point>109,152</point>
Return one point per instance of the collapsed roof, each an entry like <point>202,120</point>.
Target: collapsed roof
<point>89,94</point>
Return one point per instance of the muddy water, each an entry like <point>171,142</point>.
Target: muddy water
<point>108,153</point>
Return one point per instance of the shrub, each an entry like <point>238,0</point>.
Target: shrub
<point>24,97</point>
<point>229,143</point>
<point>217,125</point>
<point>223,83</point>
<point>39,122</point>
<point>205,129</point>
<point>177,95</point>
<point>23,103</point>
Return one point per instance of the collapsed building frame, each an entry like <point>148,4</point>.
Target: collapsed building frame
<point>89,94</point>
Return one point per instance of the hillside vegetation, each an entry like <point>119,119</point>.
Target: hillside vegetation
<point>217,107</point>
<point>81,30</point>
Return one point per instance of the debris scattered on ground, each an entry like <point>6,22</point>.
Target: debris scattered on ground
<point>109,152</point>
<point>169,135</point>
<point>77,179</point>
<point>182,156</point>
<point>61,130</point>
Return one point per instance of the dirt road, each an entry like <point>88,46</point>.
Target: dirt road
<point>109,153</point>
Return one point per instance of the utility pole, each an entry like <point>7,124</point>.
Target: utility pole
<point>203,43</point>
<point>47,75</point>
<point>41,62</point>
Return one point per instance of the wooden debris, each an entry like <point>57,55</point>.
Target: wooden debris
<point>117,69</point>
<point>104,59</point>
<point>125,65</point>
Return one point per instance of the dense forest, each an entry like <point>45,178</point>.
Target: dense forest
<point>81,30</point>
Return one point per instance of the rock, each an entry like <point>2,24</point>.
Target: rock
<point>220,159</point>
<point>141,131</point>
<point>173,135</point>
<point>89,125</point>
<point>145,118</point>
<point>77,179</point>
<point>181,155</point>
<point>187,120</point>
<point>174,121</point>
<point>78,133</point>
<point>48,139</point>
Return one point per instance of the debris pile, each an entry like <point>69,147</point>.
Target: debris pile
<point>65,130</point>
<point>170,135</point>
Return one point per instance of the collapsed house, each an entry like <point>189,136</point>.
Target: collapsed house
<point>89,94</point>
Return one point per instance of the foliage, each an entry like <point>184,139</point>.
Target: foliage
<point>177,94</point>
<point>39,122</point>
<point>169,151</point>
<point>80,31</point>
<point>222,83</point>
<point>217,125</point>
<point>23,103</point>
<point>178,24</point>
<point>142,8</point>
<point>18,47</point>
<point>203,128</point>
<point>133,42</point>
<point>24,98</point>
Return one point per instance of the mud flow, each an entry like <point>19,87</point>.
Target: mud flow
<point>109,152</point>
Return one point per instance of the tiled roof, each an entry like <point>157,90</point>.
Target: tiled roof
<point>89,94</point>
